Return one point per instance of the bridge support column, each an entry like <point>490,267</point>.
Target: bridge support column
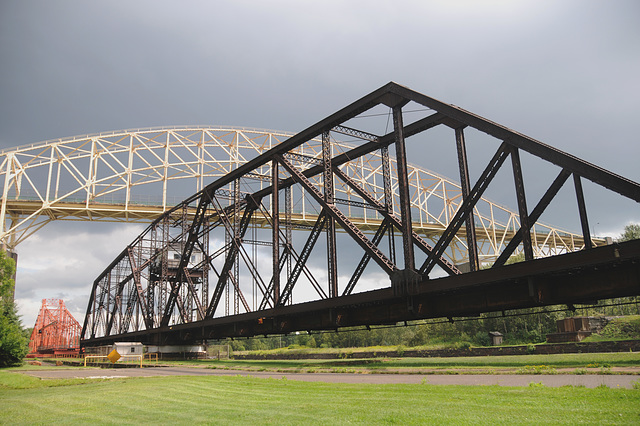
<point>403,189</point>
<point>275,237</point>
<point>522,203</point>
<point>388,198</point>
<point>465,185</point>
<point>582,208</point>
<point>332,267</point>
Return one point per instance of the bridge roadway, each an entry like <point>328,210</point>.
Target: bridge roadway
<point>145,213</point>
<point>573,278</point>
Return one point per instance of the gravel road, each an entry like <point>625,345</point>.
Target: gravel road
<point>589,380</point>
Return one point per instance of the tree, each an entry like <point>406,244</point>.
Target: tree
<point>631,232</point>
<point>13,343</point>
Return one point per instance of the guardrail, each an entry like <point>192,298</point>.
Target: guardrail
<point>123,357</point>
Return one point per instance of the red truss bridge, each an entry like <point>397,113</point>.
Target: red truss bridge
<point>56,331</point>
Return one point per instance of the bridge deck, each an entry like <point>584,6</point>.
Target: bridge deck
<point>146,213</point>
<point>579,277</point>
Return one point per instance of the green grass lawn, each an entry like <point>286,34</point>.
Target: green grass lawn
<point>249,400</point>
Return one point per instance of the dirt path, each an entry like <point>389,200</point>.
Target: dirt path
<point>589,380</point>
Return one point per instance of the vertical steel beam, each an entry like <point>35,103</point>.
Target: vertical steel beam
<point>582,208</point>
<point>205,271</point>
<point>365,258</point>
<point>236,227</point>
<point>522,203</point>
<point>332,272</point>
<point>388,198</point>
<point>403,189</point>
<point>165,267</point>
<point>275,228</point>
<point>465,184</point>
<point>288,207</point>
<point>227,284</point>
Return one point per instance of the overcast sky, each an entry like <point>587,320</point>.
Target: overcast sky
<point>563,72</point>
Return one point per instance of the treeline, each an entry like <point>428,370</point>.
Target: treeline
<point>14,340</point>
<point>521,327</point>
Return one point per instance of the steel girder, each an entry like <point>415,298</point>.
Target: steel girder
<point>119,293</point>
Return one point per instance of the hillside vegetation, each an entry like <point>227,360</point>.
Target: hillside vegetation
<point>623,328</point>
<point>529,328</point>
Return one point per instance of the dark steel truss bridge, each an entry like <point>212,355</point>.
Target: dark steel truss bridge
<point>236,260</point>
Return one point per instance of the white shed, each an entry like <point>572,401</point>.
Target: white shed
<point>128,348</point>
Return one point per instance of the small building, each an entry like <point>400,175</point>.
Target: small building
<point>496,338</point>
<point>128,348</point>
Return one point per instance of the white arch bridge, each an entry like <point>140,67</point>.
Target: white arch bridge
<point>135,175</point>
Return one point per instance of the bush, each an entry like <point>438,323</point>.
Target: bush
<point>13,344</point>
<point>481,338</point>
<point>462,345</point>
<point>622,328</point>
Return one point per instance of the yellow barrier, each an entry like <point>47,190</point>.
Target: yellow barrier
<point>104,356</point>
<point>150,356</point>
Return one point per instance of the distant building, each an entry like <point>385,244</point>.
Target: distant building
<point>496,338</point>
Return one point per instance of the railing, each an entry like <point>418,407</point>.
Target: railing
<point>122,357</point>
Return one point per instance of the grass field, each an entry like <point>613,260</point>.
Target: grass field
<point>249,400</point>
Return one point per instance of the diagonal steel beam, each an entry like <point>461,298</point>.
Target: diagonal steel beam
<point>186,255</point>
<point>117,303</point>
<point>534,216</point>
<point>194,294</point>
<point>365,258</point>
<point>449,267</point>
<point>467,205</point>
<point>148,321</point>
<point>268,295</point>
<point>304,256</point>
<point>346,224</point>
<point>294,254</point>
<point>228,264</point>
